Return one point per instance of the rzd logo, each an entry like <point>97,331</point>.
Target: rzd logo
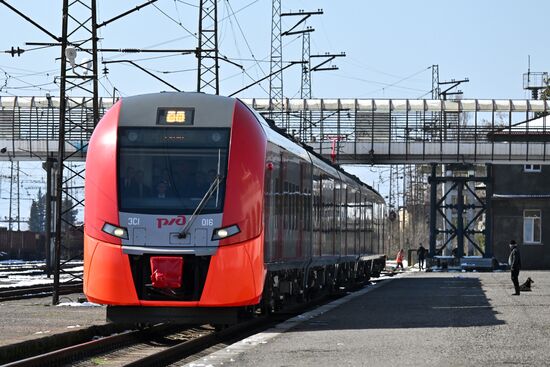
<point>179,220</point>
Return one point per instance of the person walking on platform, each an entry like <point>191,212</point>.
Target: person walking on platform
<point>421,253</point>
<point>399,259</point>
<point>515,265</point>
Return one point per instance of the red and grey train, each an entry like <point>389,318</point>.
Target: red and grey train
<point>199,210</point>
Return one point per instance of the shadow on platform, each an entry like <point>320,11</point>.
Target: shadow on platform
<point>414,302</point>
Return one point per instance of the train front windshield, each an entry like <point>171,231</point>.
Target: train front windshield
<point>170,170</point>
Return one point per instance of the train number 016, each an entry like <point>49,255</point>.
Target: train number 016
<point>207,222</point>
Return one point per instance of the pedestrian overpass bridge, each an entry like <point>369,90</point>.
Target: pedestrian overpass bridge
<point>348,131</point>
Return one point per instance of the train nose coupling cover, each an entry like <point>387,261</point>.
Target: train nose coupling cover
<point>166,271</point>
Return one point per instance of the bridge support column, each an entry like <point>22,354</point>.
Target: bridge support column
<point>49,166</point>
<point>489,212</point>
<point>433,210</point>
<point>467,215</point>
<point>460,218</point>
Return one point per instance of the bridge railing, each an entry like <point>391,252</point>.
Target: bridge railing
<point>29,126</point>
<point>369,130</point>
<point>418,130</point>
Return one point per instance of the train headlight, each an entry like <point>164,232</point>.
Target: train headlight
<point>113,230</point>
<point>221,233</point>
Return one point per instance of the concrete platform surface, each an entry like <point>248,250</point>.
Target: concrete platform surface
<point>416,319</point>
<point>36,317</point>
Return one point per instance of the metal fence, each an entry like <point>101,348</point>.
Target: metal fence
<point>29,126</point>
<point>350,130</point>
<point>416,131</point>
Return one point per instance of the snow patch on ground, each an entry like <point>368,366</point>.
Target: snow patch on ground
<point>27,274</point>
<point>78,304</point>
<point>30,280</point>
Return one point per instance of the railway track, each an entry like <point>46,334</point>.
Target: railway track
<point>15,293</point>
<point>20,268</point>
<point>155,346</point>
<point>32,266</point>
<point>160,345</point>
<point>119,349</point>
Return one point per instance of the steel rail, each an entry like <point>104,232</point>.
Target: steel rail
<point>15,293</point>
<point>121,346</point>
<point>70,353</point>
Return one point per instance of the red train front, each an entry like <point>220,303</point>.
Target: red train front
<point>173,215</point>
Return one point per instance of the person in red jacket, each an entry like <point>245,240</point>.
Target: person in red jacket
<point>399,259</point>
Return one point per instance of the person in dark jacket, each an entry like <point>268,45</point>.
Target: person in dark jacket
<point>421,252</point>
<point>515,265</point>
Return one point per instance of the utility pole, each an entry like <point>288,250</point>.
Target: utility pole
<point>207,52</point>
<point>323,60</point>
<point>10,218</point>
<point>306,72</point>
<point>305,88</point>
<point>276,94</point>
<point>83,29</point>
<point>435,82</point>
<point>18,198</point>
<point>453,84</point>
<point>306,79</point>
<point>49,167</point>
<point>80,77</point>
<point>79,35</point>
<point>80,25</point>
<point>436,85</point>
<point>276,63</point>
<point>534,81</point>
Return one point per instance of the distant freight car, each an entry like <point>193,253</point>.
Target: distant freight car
<point>22,245</point>
<point>198,210</point>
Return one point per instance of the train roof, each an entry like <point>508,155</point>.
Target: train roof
<point>280,137</point>
<point>210,109</point>
<point>137,110</point>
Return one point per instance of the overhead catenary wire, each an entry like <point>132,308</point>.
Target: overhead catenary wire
<point>177,11</point>
<point>28,86</point>
<point>103,85</point>
<point>230,16</point>
<point>223,33</point>
<point>187,3</point>
<point>233,14</point>
<point>368,81</point>
<point>361,65</point>
<point>175,16</point>
<point>175,21</point>
<point>401,80</point>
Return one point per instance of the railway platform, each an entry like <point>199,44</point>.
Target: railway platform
<point>34,318</point>
<point>413,319</point>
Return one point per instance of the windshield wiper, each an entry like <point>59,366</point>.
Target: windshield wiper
<point>213,187</point>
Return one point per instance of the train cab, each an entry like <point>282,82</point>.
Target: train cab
<point>172,213</point>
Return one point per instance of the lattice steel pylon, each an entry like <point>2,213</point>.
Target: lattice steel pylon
<point>276,64</point>
<point>79,35</point>
<point>305,89</point>
<point>435,81</point>
<point>207,53</point>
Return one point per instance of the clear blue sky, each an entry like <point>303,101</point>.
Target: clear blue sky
<point>390,47</point>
